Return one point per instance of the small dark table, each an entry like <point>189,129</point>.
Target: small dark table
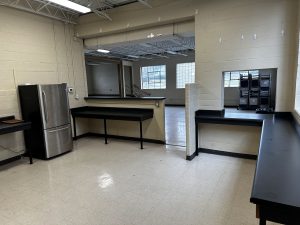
<point>10,128</point>
<point>112,113</point>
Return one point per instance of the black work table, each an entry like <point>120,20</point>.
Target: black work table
<point>276,185</point>
<point>112,113</point>
<point>6,128</point>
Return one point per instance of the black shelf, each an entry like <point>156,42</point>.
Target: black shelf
<point>255,92</point>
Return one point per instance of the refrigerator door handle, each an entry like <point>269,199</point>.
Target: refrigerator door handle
<point>45,106</point>
<point>65,128</point>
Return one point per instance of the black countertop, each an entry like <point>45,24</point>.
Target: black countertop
<point>114,113</point>
<point>125,98</point>
<point>277,176</point>
<point>9,128</point>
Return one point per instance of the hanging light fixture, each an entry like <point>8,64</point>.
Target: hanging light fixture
<point>71,5</point>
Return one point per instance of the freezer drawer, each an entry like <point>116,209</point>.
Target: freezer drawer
<point>58,140</point>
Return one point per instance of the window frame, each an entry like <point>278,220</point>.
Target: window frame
<point>231,79</point>
<point>151,76</point>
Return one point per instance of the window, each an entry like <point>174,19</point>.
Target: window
<point>185,73</point>
<point>153,77</point>
<point>232,79</point>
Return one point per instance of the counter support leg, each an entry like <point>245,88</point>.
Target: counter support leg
<point>74,128</point>
<point>196,137</point>
<point>105,131</point>
<point>30,156</point>
<point>262,221</point>
<point>141,134</point>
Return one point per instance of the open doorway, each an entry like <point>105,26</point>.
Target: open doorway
<point>159,66</point>
<point>250,91</point>
<point>167,77</point>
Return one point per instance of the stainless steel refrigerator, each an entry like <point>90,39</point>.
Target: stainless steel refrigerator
<point>47,107</point>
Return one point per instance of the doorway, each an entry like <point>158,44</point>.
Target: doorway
<point>175,125</point>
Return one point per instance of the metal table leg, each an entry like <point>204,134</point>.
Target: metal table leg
<point>74,128</point>
<point>141,134</point>
<point>30,156</point>
<point>105,131</point>
<point>262,221</point>
<point>196,137</point>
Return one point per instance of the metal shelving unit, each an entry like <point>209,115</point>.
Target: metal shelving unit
<point>265,94</point>
<point>244,91</point>
<point>254,91</point>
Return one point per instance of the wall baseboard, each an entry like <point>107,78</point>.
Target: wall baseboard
<point>230,154</point>
<point>183,105</point>
<point>191,157</point>
<point>231,106</point>
<point>210,112</point>
<point>9,160</point>
<point>90,134</point>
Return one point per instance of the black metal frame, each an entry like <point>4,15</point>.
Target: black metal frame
<point>227,121</point>
<point>11,128</point>
<point>122,114</point>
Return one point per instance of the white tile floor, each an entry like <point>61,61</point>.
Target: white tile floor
<point>120,184</point>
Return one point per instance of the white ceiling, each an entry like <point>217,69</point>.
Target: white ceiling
<point>48,9</point>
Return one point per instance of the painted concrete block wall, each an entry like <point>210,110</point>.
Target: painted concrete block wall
<point>173,95</point>
<point>268,28</point>
<point>238,35</point>
<point>136,16</point>
<point>196,97</point>
<point>239,139</point>
<point>39,50</point>
<point>297,73</point>
<point>296,111</point>
<point>191,94</point>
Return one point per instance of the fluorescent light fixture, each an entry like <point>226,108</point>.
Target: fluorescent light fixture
<point>133,56</point>
<point>103,51</point>
<point>71,5</point>
<point>171,52</point>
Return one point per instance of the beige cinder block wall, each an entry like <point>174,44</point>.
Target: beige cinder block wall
<point>268,28</point>
<point>296,112</point>
<point>35,49</point>
<point>237,35</point>
<point>220,47</point>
